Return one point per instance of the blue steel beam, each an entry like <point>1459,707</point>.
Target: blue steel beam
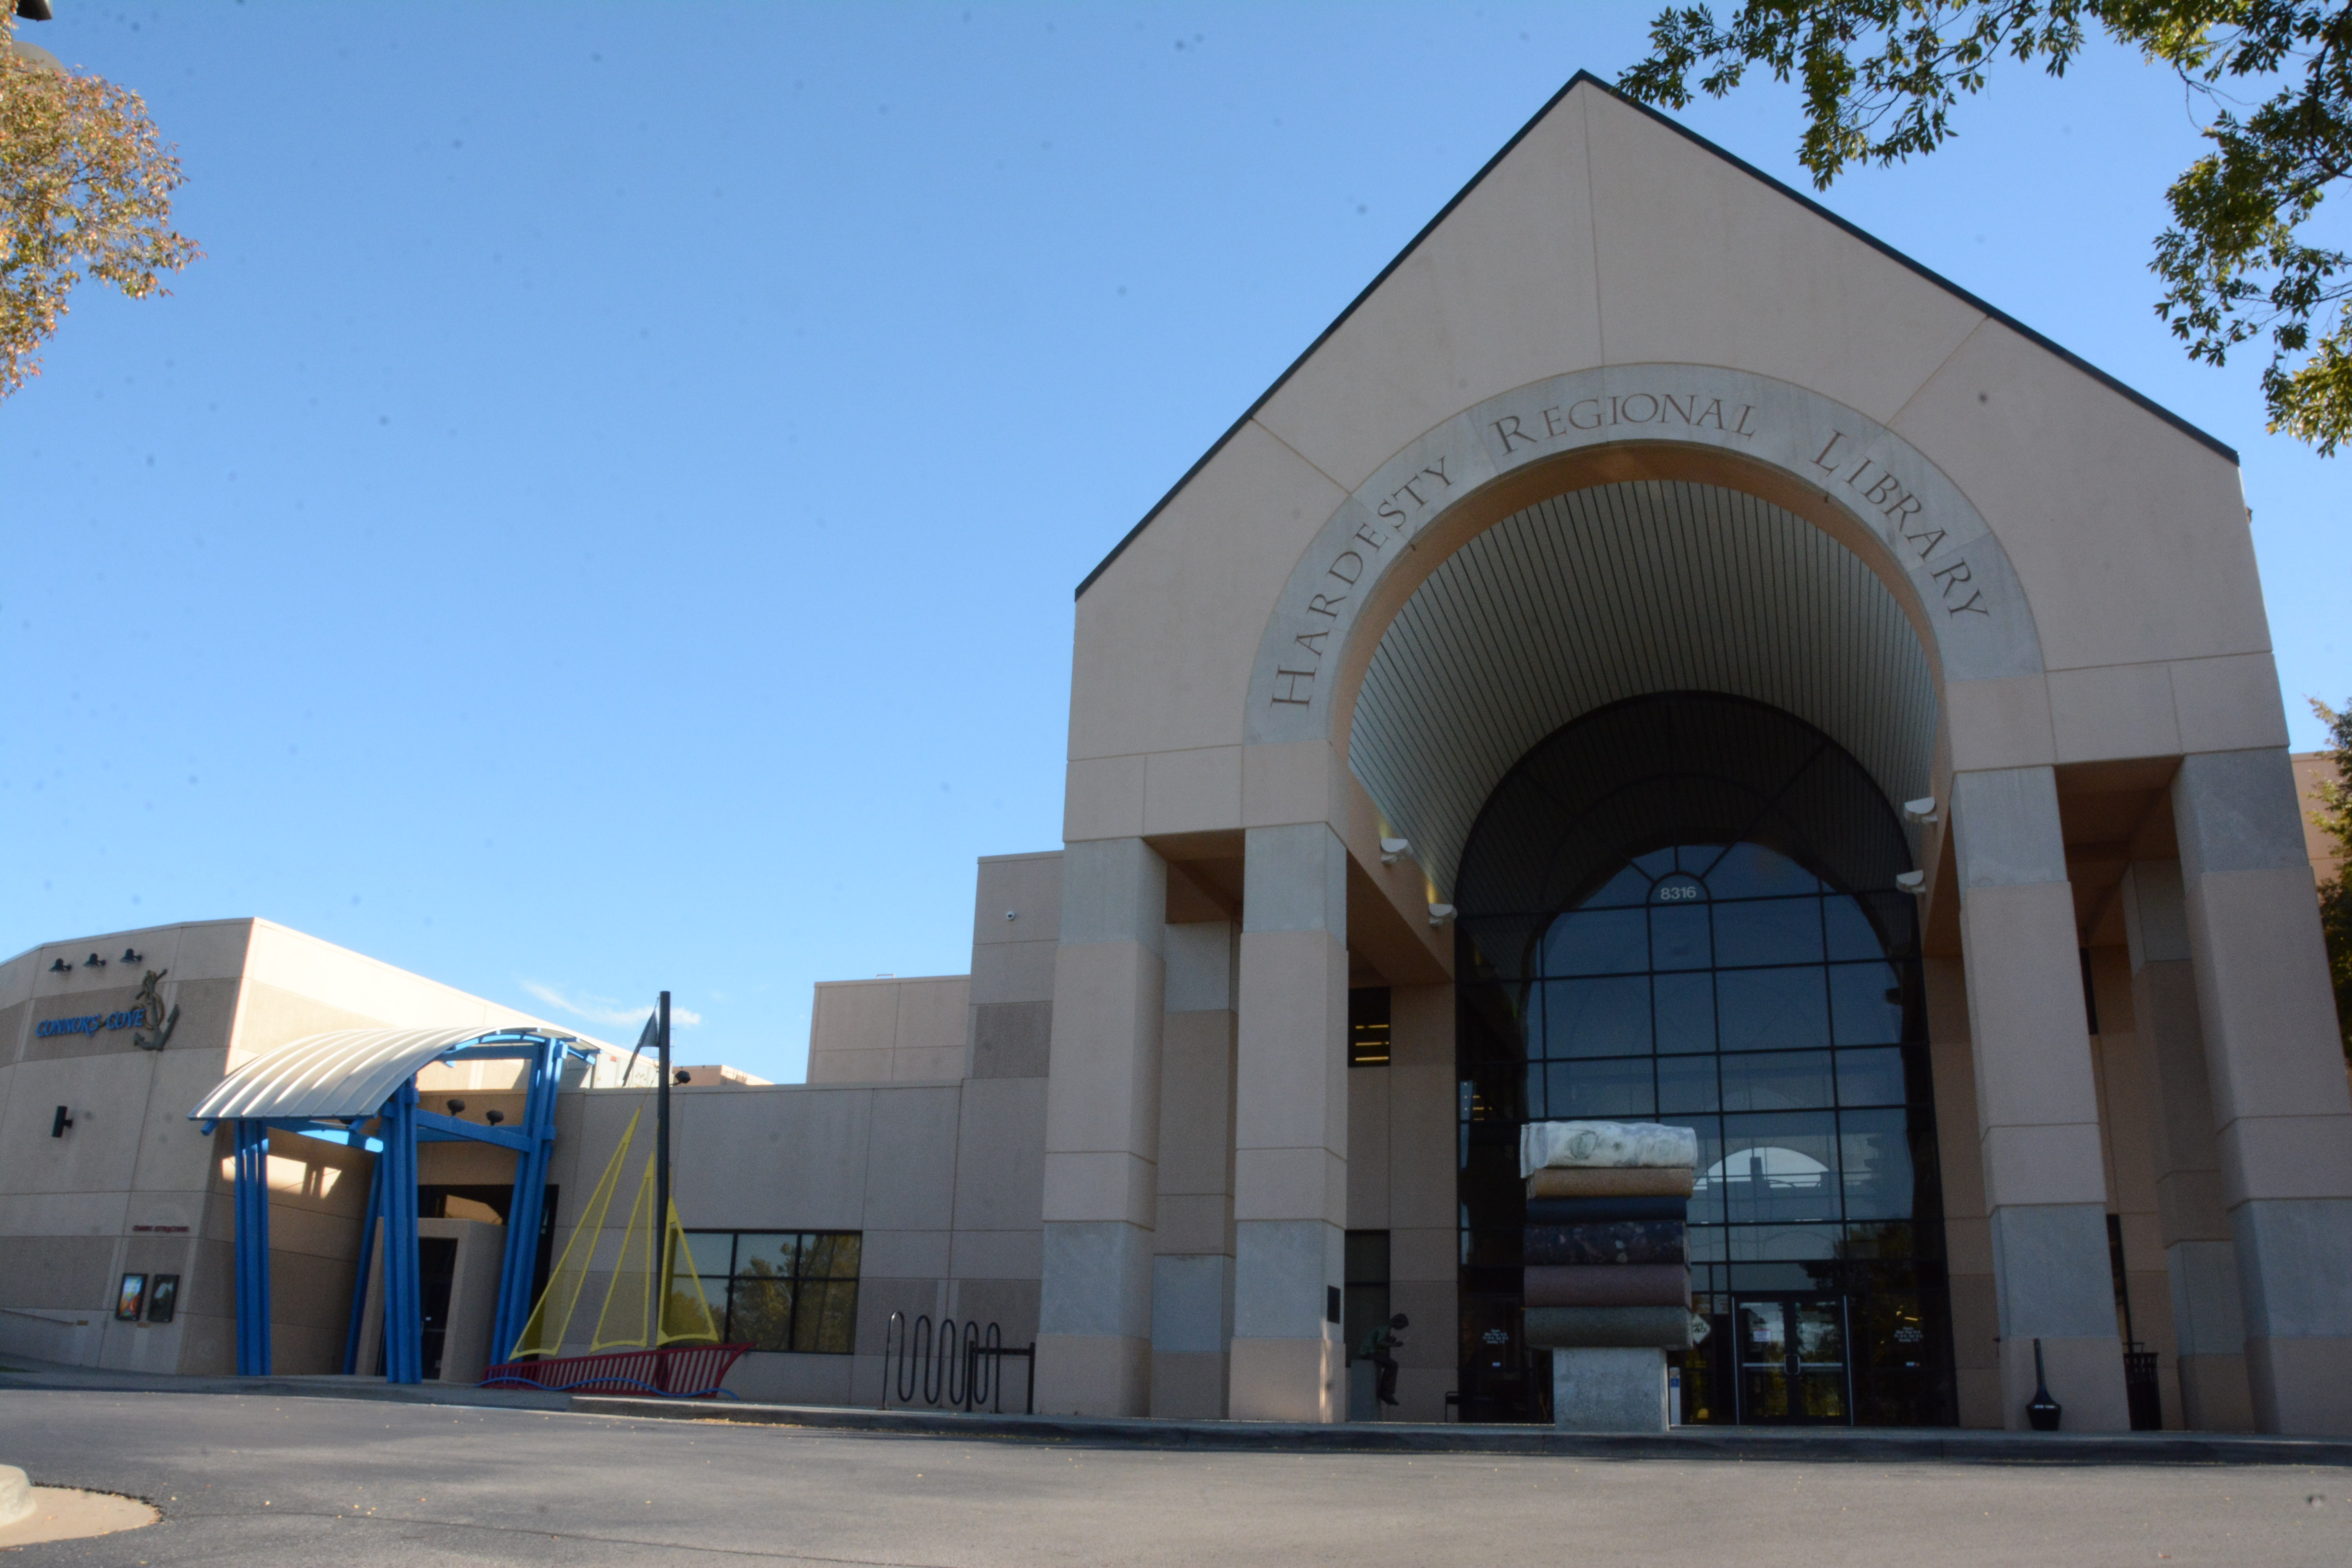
<point>524,1209</point>
<point>252,1211</point>
<point>367,1262</point>
<point>432,1127</point>
<point>404,1317</point>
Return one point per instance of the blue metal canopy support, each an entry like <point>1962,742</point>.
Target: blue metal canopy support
<point>400,1123</point>
<point>519,1274</point>
<point>403,1307</point>
<point>367,1262</point>
<point>252,1211</point>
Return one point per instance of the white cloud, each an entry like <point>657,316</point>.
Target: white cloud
<point>605,1009</point>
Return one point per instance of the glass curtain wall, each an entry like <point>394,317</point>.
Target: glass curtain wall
<point>1683,909</point>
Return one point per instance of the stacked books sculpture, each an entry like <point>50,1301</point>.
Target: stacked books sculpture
<point>1607,1259</point>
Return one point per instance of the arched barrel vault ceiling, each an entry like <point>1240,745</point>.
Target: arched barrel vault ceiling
<point>1614,591</point>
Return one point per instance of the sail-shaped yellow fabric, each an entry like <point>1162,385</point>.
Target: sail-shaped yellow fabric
<point>543,1334</point>
<point>686,1311</point>
<point>636,1315</point>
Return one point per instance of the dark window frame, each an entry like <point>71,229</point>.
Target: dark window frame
<point>722,1277</point>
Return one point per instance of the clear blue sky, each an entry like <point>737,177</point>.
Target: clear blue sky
<point>605,515</point>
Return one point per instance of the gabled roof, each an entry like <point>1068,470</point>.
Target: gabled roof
<point>1583,78</point>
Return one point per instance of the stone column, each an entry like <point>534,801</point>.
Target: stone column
<point>1290,1127</point>
<point>1424,1235</point>
<point>1193,1272</point>
<point>2282,1113</point>
<point>1102,1132</point>
<point>2037,1102</point>
<point>2201,1260</point>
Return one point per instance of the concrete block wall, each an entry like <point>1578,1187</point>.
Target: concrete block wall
<point>888,1030</point>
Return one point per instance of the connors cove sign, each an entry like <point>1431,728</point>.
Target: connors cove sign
<point>91,1023</point>
<point>1930,531</point>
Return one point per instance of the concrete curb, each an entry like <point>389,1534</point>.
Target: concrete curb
<point>1811,1445</point>
<point>63,1381</point>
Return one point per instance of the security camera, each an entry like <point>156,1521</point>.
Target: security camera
<point>1912,881</point>
<point>1440,913</point>
<point>1392,848</point>
<point>1922,811</point>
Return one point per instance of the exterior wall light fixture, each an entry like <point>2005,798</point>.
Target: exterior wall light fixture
<point>130,957</point>
<point>93,962</point>
<point>1922,811</point>
<point>494,1116</point>
<point>58,1126</point>
<point>60,966</point>
<point>456,1108</point>
<point>1392,848</point>
<point>1912,881</point>
<point>1440,913</point>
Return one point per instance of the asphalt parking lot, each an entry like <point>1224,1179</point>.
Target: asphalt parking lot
<point>268,1480</point>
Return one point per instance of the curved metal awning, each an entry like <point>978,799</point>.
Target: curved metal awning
<point>346,1072</point>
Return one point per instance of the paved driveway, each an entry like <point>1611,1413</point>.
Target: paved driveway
<point>257,1481</point>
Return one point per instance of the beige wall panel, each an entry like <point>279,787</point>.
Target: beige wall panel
<point>2229,703</point>
<point>795,1157</point>
<point>1290,1183</point>
<point>1368,1149</point>
<point>172,1153</point>
<point>1028,885</point>
<point>785,1379</point>
<point>1193,791</point>
<point>2121,711</point>
<point>58,1272</point>
<point>1196,1095</point>
<point>910,1159</point>
<point>1297,781</point>
<point>1166,640</point>
<point>904,1254</point>
<point>103,1214</point>
<point>1293,985</point>
<point>1424,1253</point>
<point>854,1015</point>
<point>1999,723</point>
<point>1724,270</point>
<point>1001,1156</point>
<point>1107,996</point>
<point>2098,504</point>
<point>998,1255</point>
<point>1421,1146</point>
<point>837,1068</point>
<point>1501,295</point>
<point>2279,991</point>
<point>1011,971</point>
<point>931,1013</point>
<point>1191,1223</point>
<point>1102,797</point>
<point>944,1064</point>
<point>108,1097</point>
<point>1099,1184</point>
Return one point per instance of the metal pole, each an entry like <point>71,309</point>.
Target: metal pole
<point>661,1181</point>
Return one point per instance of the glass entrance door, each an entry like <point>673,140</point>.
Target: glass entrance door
<point>1792,1362</point>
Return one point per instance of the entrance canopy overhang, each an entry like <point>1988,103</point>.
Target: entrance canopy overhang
<point>358,1087</point>
<point>341,1074</point>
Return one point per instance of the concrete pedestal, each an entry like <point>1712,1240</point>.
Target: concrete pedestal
<point>1609,1390</point>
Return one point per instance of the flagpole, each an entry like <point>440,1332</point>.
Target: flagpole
<point>661,1175</point>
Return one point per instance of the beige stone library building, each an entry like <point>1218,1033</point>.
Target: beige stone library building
<point>1659,655</point>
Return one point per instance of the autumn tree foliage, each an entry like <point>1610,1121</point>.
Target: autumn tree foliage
<point>86,190</point>
<point>2244,260</point>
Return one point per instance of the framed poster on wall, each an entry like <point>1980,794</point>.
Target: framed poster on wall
<point>162,1297</point>
<point>128,1299</point>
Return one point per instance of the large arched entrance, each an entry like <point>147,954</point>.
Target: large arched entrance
<point>1682,908</point>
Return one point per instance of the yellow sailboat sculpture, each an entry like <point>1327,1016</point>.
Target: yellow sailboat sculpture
<point>641,1312</point>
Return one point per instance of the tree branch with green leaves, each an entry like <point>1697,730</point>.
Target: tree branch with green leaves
<point>2243,259</point>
